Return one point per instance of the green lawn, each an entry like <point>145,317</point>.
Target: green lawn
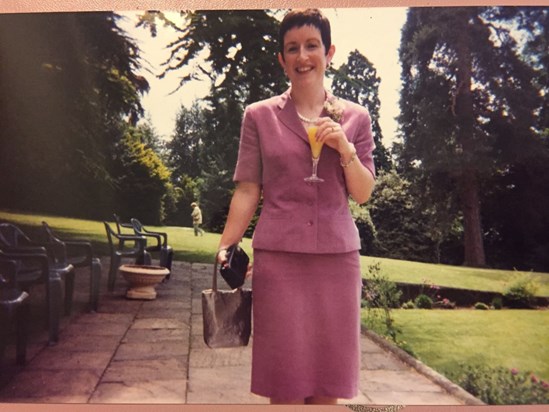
<point>453,276</point>
<point>446,339</point>
<point>202,249</point>
<point>186,246</point>
<point>443,339</point>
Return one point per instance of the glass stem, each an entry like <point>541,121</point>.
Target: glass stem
<point>315,165</point>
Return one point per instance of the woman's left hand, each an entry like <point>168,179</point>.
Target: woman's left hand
<point>331,134</point>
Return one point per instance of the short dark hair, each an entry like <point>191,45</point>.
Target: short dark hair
<point>302,17</point>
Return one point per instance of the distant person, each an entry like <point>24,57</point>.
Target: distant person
<point>197,219</point>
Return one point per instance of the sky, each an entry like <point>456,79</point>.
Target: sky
<point>374,32</point>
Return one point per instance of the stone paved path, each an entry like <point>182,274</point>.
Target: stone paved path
<point>152,352</point>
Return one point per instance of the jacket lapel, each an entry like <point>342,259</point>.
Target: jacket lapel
<point>288,116</point>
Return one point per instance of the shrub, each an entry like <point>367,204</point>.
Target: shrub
<point>520,293</point>
<point>444,304</point>
<point>501,386</point>
<point>381,293</point>
<point>429,289</point>
<point>497,303</point>
<point>423,301</point>
<point>481,306</point>
<point>408,305</point>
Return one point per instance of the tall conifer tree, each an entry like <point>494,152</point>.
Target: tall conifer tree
<point>468,105</point>
<point>357,81</point>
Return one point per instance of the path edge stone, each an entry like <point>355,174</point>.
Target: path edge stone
<point>429,373</point>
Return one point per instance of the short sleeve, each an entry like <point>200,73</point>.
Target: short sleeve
<point>364,143</point>
<point>248,166</point>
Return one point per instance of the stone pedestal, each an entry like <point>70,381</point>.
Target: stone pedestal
<point>142,280</point>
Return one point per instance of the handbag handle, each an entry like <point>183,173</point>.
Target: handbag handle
<point>214,279</point>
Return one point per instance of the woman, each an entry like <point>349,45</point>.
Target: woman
<point>306,274</point>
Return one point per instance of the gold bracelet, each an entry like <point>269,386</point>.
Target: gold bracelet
<point>351,160</point>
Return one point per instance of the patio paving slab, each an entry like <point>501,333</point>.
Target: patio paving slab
<point>144,370</point>
<point>134,351</point>
<point>153,391</point>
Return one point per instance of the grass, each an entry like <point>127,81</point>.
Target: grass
<point>442,339</point>
<point>490,280</point>
<point>202,249</point>
<point>186,246</point>
<point>446,339</point>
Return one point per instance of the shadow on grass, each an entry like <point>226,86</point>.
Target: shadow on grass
<point>101,247</point>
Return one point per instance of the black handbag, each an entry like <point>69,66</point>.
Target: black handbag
<point>226,315</point>
<point>234,272</point>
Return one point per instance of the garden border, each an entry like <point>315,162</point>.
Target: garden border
<point>442,381</point>
<point>461,297</point>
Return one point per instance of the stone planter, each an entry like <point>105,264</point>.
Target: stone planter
<point>142,280</point>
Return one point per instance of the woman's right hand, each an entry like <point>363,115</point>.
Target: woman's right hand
<point>222,262</point>
<point>222,257</point>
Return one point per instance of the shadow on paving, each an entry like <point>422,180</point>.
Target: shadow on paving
<point>135,351</point>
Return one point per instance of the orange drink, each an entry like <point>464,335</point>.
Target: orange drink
<point>316,146</point>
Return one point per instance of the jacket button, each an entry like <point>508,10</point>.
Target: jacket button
<point>309,223</point>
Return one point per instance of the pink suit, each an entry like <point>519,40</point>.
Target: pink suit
<point>307,281</point>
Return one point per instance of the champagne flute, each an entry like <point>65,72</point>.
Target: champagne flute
<point>316,148</point>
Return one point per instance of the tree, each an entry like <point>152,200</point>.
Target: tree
<point>358,82</point>
<point>219,155</point>
<point>69,84</point>
<point>365,226</point>
<point>534,25</point>
<point>184,154</point>
<point>178,205</point>
<point>146,133</point>
<point>239,49</point>
<point>141,178</point>
<point>401,226</point>
<point>468,105</point>
<point>520,230</point>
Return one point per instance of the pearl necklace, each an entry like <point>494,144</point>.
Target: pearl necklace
<point>306,119</point>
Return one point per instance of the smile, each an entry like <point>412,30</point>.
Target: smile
<point>304,69</point>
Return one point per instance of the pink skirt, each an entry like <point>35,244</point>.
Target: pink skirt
<point>306,325</point>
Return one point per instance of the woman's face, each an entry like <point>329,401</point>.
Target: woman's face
<point>304,58</point>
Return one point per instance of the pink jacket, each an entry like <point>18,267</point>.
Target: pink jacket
<point>274,151</point>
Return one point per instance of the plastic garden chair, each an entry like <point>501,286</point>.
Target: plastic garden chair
<point>166,251</point>
<point>121,225</point>
<point>123,228</point>
<point>120,251</point>
<point>32,269</point>
<point>13,239</point>
<point>80,255</point>
<point>14,308</point>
